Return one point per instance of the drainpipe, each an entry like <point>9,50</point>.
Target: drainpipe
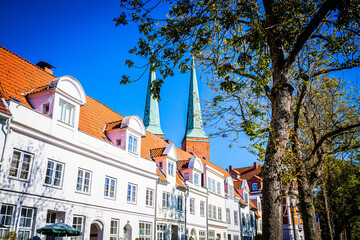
<point>8,121</point>
<point>186,196</point>
<point>240,222</point>
<point>207,215</point>
<point>156,185</point>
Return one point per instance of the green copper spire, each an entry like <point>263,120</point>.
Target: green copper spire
<point>194,124</point>
<point>151,113</point>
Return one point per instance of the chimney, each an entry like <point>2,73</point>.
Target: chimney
<point>256,165</point>
<point>231,168</point>
<point>45,66</point>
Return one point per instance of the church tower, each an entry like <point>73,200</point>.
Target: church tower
<point>195,139</point>
<point>151,112</point>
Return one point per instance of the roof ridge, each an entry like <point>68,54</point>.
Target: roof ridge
<point>26,60</point>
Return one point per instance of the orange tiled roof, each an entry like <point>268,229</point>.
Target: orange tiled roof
<point>157,152</point>
<point>161,176</point>
<point>113,125</point>
<point>183,164</point>
<point>257,214</point>
<point>252,204</point>
<point>223,171</point>
<point>179,180</point>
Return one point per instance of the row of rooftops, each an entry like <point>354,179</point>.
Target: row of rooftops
<point>20,78</point>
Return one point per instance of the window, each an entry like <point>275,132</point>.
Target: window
<point>171,169</point>
<point>211,235</point>
<point>243,219</point>
<point>6,218</point>
<point>236,218</point>
<point>202,235</point>
<point>83,181</point>
<point>132,146</point>
<point>196,179</point>
<point>218,188</point>
<point>186,176</point>
<point>26,223</point>
<point>214,212</point>
<point>149,197</point>
<point>202,208</point>
<point>228,219</point>
<point>219,214</point>
<point>144,231</point>
<point>192,205</point>
<point>231,192</point>
<point>45,108</point>
<point>20,165</point>
<point>180,204</point>
<point>54,173</point>
<point>209,184</point>
<point>252,224</point>
<point>213,185</point>
<point>114,229</point>
<point>161,231</point>
<point>78,223</point>
<point>246,198</point>
<point>210,211</point>
<point>254,186</point>
<point>236,237</point>
<point>118,142</point>
<point>66,112</point>
<point>131,193</point>
<point>160,165</point>
<point>166,200</point>
<point>109,188</point>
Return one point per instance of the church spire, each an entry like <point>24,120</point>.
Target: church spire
<point>195,139</point>
<point>194,123</point>
<point>151,112</point>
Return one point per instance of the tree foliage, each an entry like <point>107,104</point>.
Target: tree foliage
<point>257,54</point>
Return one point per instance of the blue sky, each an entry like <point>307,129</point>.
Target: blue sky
<point>80,39</point>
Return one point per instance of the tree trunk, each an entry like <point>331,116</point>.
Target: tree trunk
<point>327,213</point>
<point>278,137</point>
<point>307,208</point>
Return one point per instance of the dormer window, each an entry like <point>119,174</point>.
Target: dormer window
<point>160,165</point>
<point>45,108</point>
<point>254,186</point>
<point>196,179</point>
<point>132,146</point>
<point>118,142</point>
<point>66,113</point>
<point>171,169</point>
<point>186,176</point>
<point>246,198</point>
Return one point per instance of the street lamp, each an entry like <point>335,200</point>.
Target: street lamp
<point>293,196</point>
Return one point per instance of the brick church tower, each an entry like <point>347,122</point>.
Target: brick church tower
<point>195,139</point>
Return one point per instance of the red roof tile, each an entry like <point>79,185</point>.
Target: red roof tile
<point>183,164</point>
<point>113,125</point>
<point>3,108</point>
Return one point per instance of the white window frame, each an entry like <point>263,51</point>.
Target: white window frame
<point>170,169</point>
<point>180,204</point>
<point>209,184</point>
<point>110,187</point>
<point>26,223</point>
<point>228,216</point>
<point>202,208</point>
<point>196,179</point>
<point>131,196</point>
<point>133,144</point>
<point>161,233</point>
<point>149,199</point>
<point>65,116</point>
<point>114,229</point>
<point>231,191</point>
<point>52,174</point>
<point>192,205</point>
<point>83,182</point>
<point>214,212</point>
<point>166,200</point>
<point>210,211</point>
<point>236,222</point>
<point>20,168</point>
<point>219,214</point>
<point>6,218</point>
<point>211,235</point>
<point>218,186</point>
<point>202,235</point>
<point>213,185</point>
<point>145,230</point>
<point>246,198</point>
<point>78,226</point>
